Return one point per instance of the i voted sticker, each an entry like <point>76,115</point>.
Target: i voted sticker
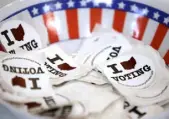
<point>105,47</point>
<point>142,112</point>
<point>110,52</point>
<point>130,70</point>
<point>26,74</point>
<point>16,34</point>
<point>57,62</point>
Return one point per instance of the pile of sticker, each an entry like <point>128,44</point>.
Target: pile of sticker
<point>110,77</point>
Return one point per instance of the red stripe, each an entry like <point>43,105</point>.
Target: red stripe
<point>119,20</point>
<point>166,57</point>
<point>95,17</point>
<point>140,28</point>
<point>72,22</point>
<point>159,36</point>
<point>49,20</point>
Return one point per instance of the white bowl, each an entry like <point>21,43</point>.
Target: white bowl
<point>67,20</point>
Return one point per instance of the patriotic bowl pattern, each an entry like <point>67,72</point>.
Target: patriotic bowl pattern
<point>58,20</point>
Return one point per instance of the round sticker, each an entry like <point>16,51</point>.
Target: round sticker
<point>105,47</point>
<point>16,34</point>
<point>57,62</point>
<point>26,74</point>
<point>131,71</point>
<point>150,97</point>
<point>111,52</point>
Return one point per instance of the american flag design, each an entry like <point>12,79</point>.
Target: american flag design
<point>59,20</point>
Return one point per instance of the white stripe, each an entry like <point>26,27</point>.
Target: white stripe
<point>150,31</point>
<point>38,24</point>
<point>61,25</point>
<point>107,18</point>
<point>41,28</point>
<point>130,24</point>
<point>164,47</point>
<point>84,22</point>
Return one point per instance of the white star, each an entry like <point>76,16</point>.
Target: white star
<point>71,3</point>
<point>96,3</point>
<point>83,3</point>
<point>58,5</point>
<point>109,4</point>
<point>46,8</point>
<point>121,5</point>
<point>35,11</point>
<point>156,15</point>
<point>166,20</point>
<point>134,8</point>
<point>145,11</point>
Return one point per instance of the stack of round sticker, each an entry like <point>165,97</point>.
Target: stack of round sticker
<point>25,80</point>
<point>140,75</point>
<point>102,47</point>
